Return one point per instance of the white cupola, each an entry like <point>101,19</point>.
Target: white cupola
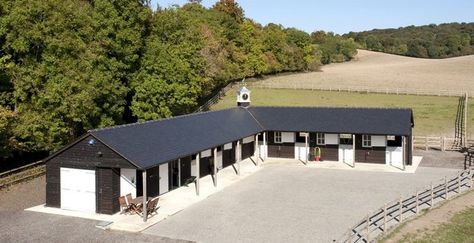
<point>243,97</point>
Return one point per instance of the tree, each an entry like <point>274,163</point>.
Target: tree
<point>62,86</point>
<point>7,120</point>
<point>171,78</point>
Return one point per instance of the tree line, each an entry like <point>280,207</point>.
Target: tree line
<point>67,66</point>
<point>428,41</point>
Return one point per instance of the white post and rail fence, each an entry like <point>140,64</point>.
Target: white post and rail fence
<point>439,143</point>
<point>358,89</point>
<point>377,223</point>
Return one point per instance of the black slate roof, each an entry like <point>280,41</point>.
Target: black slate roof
<point>375,121</point>
<point>152,143</point>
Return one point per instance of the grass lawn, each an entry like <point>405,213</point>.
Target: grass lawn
<point>433,115</point>
<point>459,229</point>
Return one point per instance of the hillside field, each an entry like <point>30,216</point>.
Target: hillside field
<point>386,71</point>
<point>434,116</point>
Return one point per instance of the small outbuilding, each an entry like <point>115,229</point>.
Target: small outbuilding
<point>152,158</point>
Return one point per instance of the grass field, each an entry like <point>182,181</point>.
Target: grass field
<point>386,71</point>
<point>459,229</point>
<point>433,115</point>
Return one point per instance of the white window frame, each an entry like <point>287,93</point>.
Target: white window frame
<point>366,141</point>
<point>391,138</point>
<point>320,139</point>
<point>277,137</point>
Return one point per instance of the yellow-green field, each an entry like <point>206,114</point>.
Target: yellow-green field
<point>434,115</point>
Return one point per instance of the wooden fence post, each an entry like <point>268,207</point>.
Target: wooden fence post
<point>446,188</point>
<point>459,183</point>
<point>471,179</point>
<point>443,144</point>
<point>384,218</point>
<point>401,210</point>
<point>417,197</point>
<point>368,228</point>
<point>431,204</point>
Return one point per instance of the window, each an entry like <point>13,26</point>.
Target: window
<point>277,137</point>
<point>366,141</point>
<point>320,139</point>
<point>390,138</point>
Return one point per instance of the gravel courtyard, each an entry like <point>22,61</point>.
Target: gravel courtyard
<point>291,203</point>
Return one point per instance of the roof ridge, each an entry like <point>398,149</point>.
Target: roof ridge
<point>158,120</point>
<point>258,122</point>
<point>337,107</point>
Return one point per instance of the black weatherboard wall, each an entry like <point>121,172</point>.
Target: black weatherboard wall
<point>280,150</point>
<point>82,155</point>
<point>328,152</point>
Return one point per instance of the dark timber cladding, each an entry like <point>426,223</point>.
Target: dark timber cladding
<point>228,155</point>
<point>248,150</point>
<point>79,155</point>
<point>108,190</point>
<point>279,150</point>
<point>368,154</point>
<point>328,151</point>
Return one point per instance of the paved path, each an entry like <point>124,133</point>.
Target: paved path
<point>291,203</point>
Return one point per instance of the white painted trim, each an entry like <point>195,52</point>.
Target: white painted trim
<point>248,139</point>
<point>379,141</point>
<point>331,139</point>
<point>227,146</point>
<point>128,182</point>
<point>206,153</point>
<point>288,137</point>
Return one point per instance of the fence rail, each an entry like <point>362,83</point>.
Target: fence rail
<point>391,214</point>
<point>23,173</point>
<point>215,98</point>
<point>359,89</point>
<point>439,143</point>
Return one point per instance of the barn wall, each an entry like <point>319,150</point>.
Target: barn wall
<point>107,190</point>
<point>280,150</point>
<point>79,156</point>
<point>368,155</point>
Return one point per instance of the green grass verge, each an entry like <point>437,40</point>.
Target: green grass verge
<point>459,229</point>
<point>433,115</point>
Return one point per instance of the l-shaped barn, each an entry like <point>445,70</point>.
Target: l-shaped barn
<point>91,173</point>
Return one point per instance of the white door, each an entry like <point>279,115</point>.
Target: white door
<point>78,190</point>
<point>164,182</point>
<point>394,156</point>
<point>346,154</point>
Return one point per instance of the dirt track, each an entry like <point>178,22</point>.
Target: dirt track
<point>380,70</point>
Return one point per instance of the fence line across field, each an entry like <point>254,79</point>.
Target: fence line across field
<point>359,89</point>
<point>440,143</point>
<point>391,214</point>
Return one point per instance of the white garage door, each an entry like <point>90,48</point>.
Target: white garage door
<point>78,190</point>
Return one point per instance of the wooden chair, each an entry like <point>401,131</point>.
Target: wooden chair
<point>124,206</point>
<point>151,206</point>
<point>129,198</point>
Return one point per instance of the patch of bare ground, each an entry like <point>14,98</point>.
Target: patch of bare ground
<point>430,221</point>
<point>23,195</point>
<point>381,70</point>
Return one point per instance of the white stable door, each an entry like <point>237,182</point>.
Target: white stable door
<point>164,182</point>
<point>346,154</point>
<point>78,190</point>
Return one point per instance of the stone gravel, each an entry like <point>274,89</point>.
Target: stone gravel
<point>291,203</point>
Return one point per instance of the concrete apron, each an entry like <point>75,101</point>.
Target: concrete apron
<point>169,203</point>
<point>342,166</point>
